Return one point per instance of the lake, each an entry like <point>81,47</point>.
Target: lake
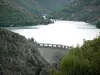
<point>68,33</point>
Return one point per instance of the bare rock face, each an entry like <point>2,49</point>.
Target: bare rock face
<point>19,56</point>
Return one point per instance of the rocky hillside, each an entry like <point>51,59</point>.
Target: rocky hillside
<point>85,10</point>
<point>18,55</point>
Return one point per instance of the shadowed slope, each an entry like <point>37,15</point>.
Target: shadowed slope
<point>19,56</point>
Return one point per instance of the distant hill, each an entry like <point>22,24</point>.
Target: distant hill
<point>52,5</point>
<point>27,12</point>
<point>14,13</point>
<point>18,55</point>
<point>80,10</point>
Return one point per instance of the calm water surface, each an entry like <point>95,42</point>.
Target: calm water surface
<point>61,32</point>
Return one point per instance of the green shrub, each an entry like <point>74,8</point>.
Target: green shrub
<point>98,24</point>
<point>84,60</point>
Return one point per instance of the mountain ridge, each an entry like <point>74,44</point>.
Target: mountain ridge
<point>88,11</point>
<point>12,13</point>
<point>27,12</point>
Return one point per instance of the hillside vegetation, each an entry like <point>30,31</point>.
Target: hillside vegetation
<point>85,10</point>
<point>27,12</point>
<point>14,14</point>
<point>18,55</point>
<point>52,5</point>
<point>84,60</point>
<point>37,6</point>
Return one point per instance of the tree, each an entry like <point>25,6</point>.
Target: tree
<point>84,60</point>
<point>98,24</point>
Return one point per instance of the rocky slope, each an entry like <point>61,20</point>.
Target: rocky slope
<point>18,55</point>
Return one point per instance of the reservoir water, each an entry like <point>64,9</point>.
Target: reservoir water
<point>68,33</point>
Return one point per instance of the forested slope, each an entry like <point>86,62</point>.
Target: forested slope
<point>85,10</point>
<point>27,12</point>
<point>53,5</point>
<point>13,13</point>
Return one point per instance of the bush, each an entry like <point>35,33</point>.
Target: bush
<point>98,24</point>
<point>84,60</point>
